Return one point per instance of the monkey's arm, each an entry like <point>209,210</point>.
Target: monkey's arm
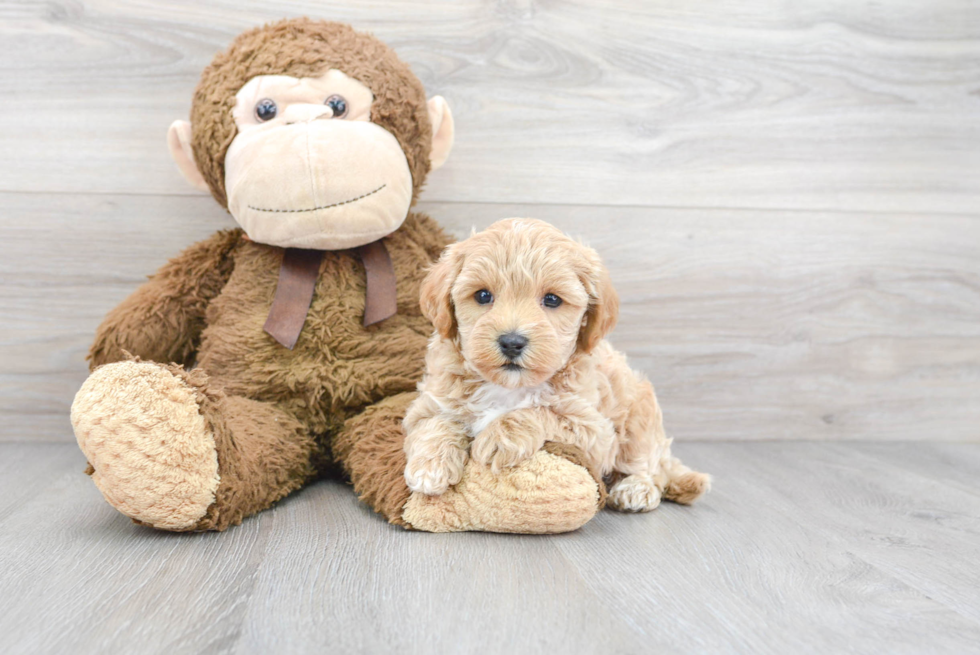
<point>163,319</point>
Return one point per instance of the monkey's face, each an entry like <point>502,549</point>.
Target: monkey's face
<point>309,169</point>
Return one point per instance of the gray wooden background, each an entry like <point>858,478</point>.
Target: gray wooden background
<point>786,192</point>
<point>787,196</point>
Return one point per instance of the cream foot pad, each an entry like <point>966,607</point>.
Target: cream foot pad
<point>142,431</point>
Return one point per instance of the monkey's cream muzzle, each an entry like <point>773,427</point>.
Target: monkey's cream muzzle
<point>311,182</point>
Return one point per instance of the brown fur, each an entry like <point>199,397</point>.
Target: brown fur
<point>301,47</point>
<point>264,454</point>
<point>370,448</point>
<point>162,320</point>
<point>267,404</point>
<point>337,365</point>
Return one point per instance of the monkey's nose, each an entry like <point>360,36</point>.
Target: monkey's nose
<point>305,113</point>
<point>512,344</point>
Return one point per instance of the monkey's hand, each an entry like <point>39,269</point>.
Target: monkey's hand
<point>163,319</point>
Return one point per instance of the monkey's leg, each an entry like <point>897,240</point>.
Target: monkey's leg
<point>552,491</point>
<point>171,453</point>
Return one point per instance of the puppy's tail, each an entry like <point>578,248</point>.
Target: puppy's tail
<point>681,484</point>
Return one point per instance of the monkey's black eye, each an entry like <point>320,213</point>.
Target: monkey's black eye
<point>551,300</point>
<point>265,109</point>
<point>338,105</point>
<point>483,297</point>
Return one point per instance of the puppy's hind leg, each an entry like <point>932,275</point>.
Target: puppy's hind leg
<point>670,479</point>
<point>683,485</point>
<point>649,470</point>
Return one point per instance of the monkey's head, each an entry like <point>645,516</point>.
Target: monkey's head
<point>312,135</point>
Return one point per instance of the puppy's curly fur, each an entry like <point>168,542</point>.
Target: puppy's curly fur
<point>499,402</point>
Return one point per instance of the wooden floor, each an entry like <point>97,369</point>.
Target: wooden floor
<point>801,548</point>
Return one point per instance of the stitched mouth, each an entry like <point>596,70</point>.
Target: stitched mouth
<point>313,209</point>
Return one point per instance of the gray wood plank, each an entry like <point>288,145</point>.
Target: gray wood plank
<point>952,464</point>
<point>340,579</point>
<point>761,566</point>
<point>818,105</point>
<point>65,260</point>
<point>79,577</point>
<point>885,515</point>
<point>747,571</point>
<point>752,325</point>
<point>21,481</point>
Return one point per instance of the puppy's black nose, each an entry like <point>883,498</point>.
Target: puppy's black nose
<point>512,344</point>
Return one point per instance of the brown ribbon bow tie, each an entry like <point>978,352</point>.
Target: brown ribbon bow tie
<point>297,279</point>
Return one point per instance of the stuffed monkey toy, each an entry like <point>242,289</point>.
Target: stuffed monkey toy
<point>288,349</point>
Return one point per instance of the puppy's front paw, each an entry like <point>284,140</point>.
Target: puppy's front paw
<point>434,475</point>
<point>505,443</point>
<point>634,493</point>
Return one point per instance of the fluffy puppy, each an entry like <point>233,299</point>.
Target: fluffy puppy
<point>518,357</point>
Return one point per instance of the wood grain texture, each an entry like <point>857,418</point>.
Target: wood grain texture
<point>956,467</point>
<point>800,547</point>
<point>819,105</point>
<point>752,325</point>
<point>840,300</point>
<point>886,515</point>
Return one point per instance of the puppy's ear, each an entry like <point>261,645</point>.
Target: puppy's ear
<point>603,311</point>
<point>435,299</point>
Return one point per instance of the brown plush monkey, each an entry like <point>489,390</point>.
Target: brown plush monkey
<point>264,357</point>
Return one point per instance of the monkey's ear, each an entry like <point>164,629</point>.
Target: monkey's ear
<point>179,142</point>
<point>442,131</point>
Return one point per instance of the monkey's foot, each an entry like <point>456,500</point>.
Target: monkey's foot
<point>150,451</point>
<point>547,493</point>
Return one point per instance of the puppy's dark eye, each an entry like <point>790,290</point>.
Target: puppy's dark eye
<point>265,109</point>
<point>483,297</point>
<point>551,300</point>
<point>338,105</point>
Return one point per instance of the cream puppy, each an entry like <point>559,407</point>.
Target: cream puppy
<point>518,358</point>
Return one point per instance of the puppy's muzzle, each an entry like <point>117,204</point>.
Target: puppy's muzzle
<point>512,345</point>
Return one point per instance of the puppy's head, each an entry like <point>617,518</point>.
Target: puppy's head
<point>519,299</point>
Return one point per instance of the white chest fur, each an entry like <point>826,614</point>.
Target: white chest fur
<point>490,401</point>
